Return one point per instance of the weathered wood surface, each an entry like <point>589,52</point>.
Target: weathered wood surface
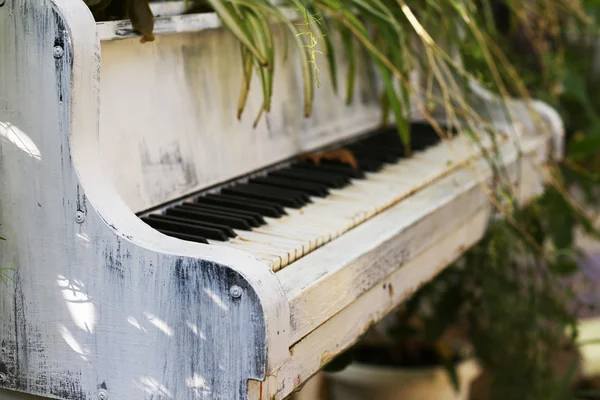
<point>168,115</point>
<point>171,107</point>
<point>329,279</point>
<point>106,303</point>
<point>335,299</point>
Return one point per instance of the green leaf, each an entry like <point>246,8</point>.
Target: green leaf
<point>586,147</point>
<point>247,69</point>
<point>450,368</point>
<point>559,218</point>
<point>325,33</point>
<point>348,43</point>
<point>564,384</point>
<point>232,21</point>
<point>574,87</point>
<point>565,266</point>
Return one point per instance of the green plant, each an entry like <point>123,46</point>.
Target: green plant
<point>507,290</point>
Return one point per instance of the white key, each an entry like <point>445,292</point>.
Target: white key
<point>283,240</point>
<point>264,254</point>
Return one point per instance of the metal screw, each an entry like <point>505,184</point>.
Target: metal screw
<point>79,217</point>
<point>3,378</point>
<point>235,292</point>
<point>58,51</point>
<point>102,395</point>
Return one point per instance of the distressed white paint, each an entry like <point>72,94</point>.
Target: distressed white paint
<point>366,280</point>
<point>326,281</point>
<point>150,316</point>
<point>124,269</point>
<point>177,130</point>
<point>342,329</point>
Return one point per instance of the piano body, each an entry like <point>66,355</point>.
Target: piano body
<point>162,249</point>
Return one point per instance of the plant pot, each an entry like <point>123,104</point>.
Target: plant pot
<point>368,382</point>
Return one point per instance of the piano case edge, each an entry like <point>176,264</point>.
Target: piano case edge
<point>98,300</point>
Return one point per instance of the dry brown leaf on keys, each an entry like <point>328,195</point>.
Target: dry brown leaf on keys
<point>343,156</point>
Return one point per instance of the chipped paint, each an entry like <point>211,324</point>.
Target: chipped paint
<point>115,267</point>
<point>181,134</point>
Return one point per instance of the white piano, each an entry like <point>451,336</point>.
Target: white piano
<point>164,249</point>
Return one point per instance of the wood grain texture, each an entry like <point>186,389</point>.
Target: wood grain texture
<point>326,281</point>
<point>311,353</point>
<point>340,306</point>
<point>108,303</point>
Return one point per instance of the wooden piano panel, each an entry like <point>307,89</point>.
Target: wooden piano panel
<point>168,123</point>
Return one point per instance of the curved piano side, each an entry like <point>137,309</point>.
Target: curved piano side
<point>98,301</point>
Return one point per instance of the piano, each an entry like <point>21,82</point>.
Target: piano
<point>163,249</point>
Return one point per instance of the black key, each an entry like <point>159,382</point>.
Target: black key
<point>235,203</point>
<point>337,181</point>
<point>184,236</point>
<point>227,231</point>
<point>421,143</point>
<point>200,216</point>
<point>335,167</point>
<point>200,208</point>
<point>314,189</point>
<point>254,219</point>
<point>276,206</point>
<point>187,228</point>
<point>374,154</point>
<point>387,150</point>
<point>369,165</point>
<point>299,195</point>
<point>253,194</point>
<point>322,173</point>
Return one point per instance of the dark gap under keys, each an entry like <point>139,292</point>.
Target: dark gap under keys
<point>337,181</point>
<point>184,236</point>
<point>237,204</point>
<point>201,216</point>
<point>312,188</point>
<point>253,194</point>
<point>253,218</point>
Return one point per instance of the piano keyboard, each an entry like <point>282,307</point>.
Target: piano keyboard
<point>289,212</point>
